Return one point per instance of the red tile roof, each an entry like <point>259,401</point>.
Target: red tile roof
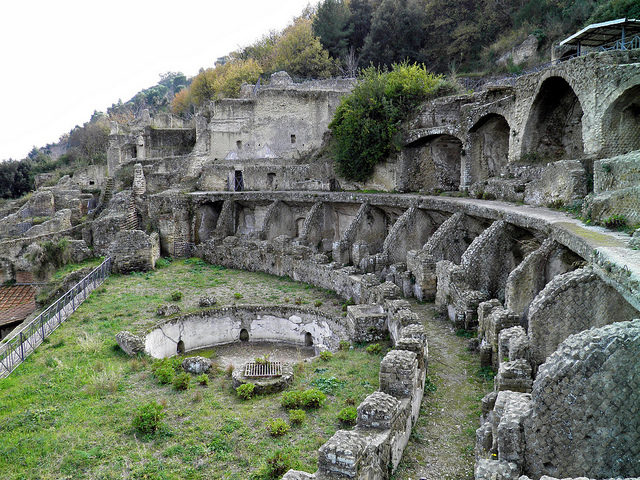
<point>16,303</point>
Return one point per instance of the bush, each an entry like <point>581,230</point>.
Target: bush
<point>245,391</point>
<point>203,379</point>
<point>291,399</point>
<point>277,427</point>
<point>164,374</point>
<point>176,296</point>
<point>313,398</point>
<point>366,121</point>
<point>345,345</point>
<point>615,222</point>
<point>181,381</point>
<point>148,418</point>
<point>297,416</point>
<point>374,349</point>
<point>348,415</point>
<point>317,303</point>
<point>278,463</point>
<point>326,355</point>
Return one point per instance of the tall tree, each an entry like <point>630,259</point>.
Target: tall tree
<point>397,32</point>
<point>331,24</point>
<point>360,22</point>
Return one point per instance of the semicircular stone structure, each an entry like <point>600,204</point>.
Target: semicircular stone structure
<point>585,418</point>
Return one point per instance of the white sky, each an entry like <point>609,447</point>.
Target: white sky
<point>61,60</point>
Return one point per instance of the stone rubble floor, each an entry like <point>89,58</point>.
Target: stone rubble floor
<point>441,444</point>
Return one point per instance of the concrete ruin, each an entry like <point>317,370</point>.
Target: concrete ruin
<point>245,184</point>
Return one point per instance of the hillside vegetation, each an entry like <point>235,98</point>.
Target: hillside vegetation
<point>338,37</point>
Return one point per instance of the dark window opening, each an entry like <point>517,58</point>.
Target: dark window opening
<point>244,335</point>
<point>180,348</point>
<point>308,339</point>
<point>239,144</point>
<point>134,152</point>
<point>271,177</point>
<point>238,181</point>
<point>91,182</point>
<point>293,138</point>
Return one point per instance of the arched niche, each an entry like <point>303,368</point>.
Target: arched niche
<point>554,127</point>
<point>433,164</point>
<point>621,125</point>
<point>489,151</point>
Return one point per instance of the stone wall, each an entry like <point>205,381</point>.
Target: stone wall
<point>134,251</point>
<point>262,323</point>
<point>571,303</point>
<point>373,449</point>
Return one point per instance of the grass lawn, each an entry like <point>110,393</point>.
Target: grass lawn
<point>66,413</point>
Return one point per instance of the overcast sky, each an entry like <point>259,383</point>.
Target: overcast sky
<point>62,59</point>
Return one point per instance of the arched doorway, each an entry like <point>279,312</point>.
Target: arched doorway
<point>554,128</point>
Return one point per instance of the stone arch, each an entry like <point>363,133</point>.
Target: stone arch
<point>489,146</point>
<point>308,339</point>
<point>554,128</point>
<point>621,122</point>
<point>433,163</point>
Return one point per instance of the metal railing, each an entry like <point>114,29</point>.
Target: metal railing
<point>24,340</point>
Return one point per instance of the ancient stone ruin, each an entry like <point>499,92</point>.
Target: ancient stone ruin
<point>555,302</point>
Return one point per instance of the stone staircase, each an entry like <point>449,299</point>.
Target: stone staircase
<point>131,222</point>
<point>105,196</point>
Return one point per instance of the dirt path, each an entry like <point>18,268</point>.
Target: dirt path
<point>442,442</point>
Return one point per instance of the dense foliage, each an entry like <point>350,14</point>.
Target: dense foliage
<point>366,121</point>
<point>452,34</point>
<point>296,50</point>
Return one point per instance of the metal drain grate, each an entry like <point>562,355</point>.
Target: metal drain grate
<point>268,369</point>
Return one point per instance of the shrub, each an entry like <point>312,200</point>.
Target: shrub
<point>615,221</point>
<point>163,262</point>
<point>148,418</point>
<point>366,121</point>
<point>181,381</point>
<point>317,303</point>
<point>245,391</point>
<point>229,370</point>
<point>237,296</point>
<point>374,349</point>
<point>203,379</point>
<point>326,355</point>
<point>297,416</point>
<point>277,427</point>
<point>164,374</point>
<point>345,345</point>
<point>313,398</point>
<point>176,296</point>
<point>291,399</point>
<point>278,463</point>
<point>348,415</point>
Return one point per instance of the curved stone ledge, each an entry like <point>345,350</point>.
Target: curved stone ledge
<point>219,326</point>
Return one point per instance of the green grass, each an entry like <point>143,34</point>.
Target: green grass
<point>67,411</point>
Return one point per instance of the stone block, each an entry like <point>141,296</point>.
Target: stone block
<point>514,376</point>
<point>342,454</point>
<point>131,344</point>
<point>399,373</point>
<point>369,322</point>
<point>379,410</point>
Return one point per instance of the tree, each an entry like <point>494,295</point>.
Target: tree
<point>301,54</point>
<point>332,25</point>
<point>360,23</point>
<point>366,121</point>
<point>616,9</point>
<point>397,32</point>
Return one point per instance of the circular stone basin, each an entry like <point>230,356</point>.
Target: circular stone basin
<point>271,384</point>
